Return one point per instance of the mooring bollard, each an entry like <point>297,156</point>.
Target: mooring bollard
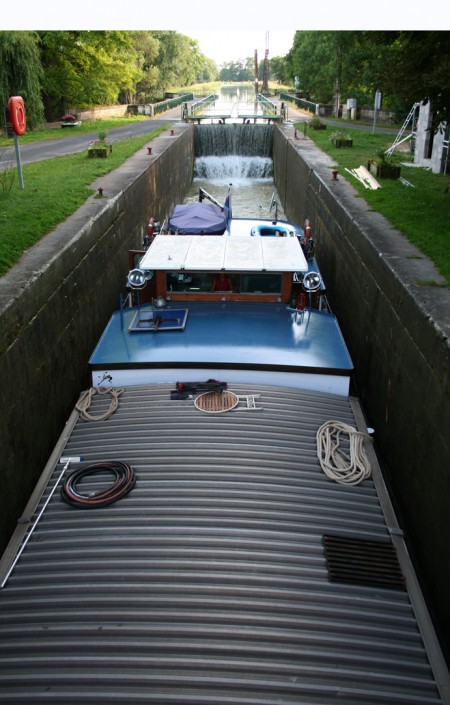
<point>149,150</point>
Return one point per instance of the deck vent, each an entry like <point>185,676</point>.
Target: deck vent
<point>363,562</point>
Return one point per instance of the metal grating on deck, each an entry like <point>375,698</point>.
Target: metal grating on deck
<point>363,562</point>
<point>208,583</point>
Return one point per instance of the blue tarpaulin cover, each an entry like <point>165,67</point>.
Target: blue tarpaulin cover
<point>196,218</point>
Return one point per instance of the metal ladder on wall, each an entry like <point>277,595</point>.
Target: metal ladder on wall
<point>412,116</point>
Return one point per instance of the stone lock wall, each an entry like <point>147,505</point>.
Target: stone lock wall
<point>56,301</point>
<point>397,331</point>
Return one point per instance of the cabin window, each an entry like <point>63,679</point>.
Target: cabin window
<point>260,283</point>
<point>189,282</point>
<point>207,282</point>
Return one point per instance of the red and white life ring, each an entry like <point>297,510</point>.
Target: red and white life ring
<point>16,109</point>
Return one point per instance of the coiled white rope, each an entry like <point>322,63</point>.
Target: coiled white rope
<point>341,453</point>
<point>84,402</point>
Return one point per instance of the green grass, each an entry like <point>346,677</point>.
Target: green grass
<point>53,190</point>
<point>421,213</point>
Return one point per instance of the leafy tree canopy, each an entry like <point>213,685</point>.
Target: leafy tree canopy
<point>179,61</point>
<point>21,73</point>
<point>86,68</point>
<point>416,67</point>
<point>407,67</point>
<point>240,70</point>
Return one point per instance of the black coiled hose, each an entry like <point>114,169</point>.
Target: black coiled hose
<point>125,480</point>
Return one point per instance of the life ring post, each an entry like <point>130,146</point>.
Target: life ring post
<point>18,160</point>
<point>17,116</point>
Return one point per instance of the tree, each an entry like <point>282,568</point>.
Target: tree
<point>147,50</point>
<point>326,64</point>
<point>278,70</point>
<point>179,61</point>
<point>416,67</point>
<point>240,70</point>
<point>86,68</point>
<point>21,73</point>
<point>407,67</point>
<point>208,72</point>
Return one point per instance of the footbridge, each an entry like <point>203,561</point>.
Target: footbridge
<point>211,109</point>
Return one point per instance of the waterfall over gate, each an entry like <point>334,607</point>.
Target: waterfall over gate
<point>233,167</point>
<point>233,139</point>
<point>237,154</point>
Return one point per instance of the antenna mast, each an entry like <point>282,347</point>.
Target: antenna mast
<point>265,88</point>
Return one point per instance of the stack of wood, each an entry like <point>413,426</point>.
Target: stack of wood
<point>365,177</point>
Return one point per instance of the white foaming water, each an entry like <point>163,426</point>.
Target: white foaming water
<point>251,182</point>
<point>234,167</point>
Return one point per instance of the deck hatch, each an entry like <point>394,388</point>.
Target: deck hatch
<point>363,562</point>
<point>150,320</point>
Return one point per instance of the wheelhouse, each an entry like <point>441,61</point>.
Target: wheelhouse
<point>211,268</point>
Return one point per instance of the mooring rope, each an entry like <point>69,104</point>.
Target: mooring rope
<point>84,402</point>
<point>347,465</point>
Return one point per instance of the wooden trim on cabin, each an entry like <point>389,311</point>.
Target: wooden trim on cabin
<point>286,286</point>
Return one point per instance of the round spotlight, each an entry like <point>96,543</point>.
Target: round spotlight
<point>311,281</point>
<point>137,279</point>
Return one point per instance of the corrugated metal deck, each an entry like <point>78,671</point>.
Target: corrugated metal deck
<point>208,583</point>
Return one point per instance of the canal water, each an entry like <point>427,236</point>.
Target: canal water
<point>235,103</point>
<point>251,182</point>
<point>236,154</point>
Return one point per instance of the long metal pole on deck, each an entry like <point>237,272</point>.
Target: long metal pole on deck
<point>19,163</point>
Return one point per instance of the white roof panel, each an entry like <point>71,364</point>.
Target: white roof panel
<point>216,252</point>
<point>283,253</point>
<point>205,252</point>
<point>166,252</point>
<point>244,254</point>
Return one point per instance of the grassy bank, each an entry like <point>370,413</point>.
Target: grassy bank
<point>54,189</point>
<point>420,211</point>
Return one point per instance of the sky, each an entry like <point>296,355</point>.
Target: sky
<point>225,45</point>
<point>230,30</point>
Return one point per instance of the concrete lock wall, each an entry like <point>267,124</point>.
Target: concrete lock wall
<point>56,301</point>
<point>397,331</point>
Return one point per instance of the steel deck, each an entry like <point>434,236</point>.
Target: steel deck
<point>208,582</point>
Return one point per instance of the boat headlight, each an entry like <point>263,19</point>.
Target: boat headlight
<point>137,278</point>
<point>311,281</point>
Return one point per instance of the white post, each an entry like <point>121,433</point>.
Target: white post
<point>19,163</point>
<point>377,106</point>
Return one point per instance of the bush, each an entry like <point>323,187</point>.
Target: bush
<point>317,124</point>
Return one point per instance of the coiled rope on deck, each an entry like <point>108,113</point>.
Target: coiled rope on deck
<point>85,400</point>
<point>341,453</point>
<point>124,481</point>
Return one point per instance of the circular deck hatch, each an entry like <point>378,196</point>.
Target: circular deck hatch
<point>216,402</point>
